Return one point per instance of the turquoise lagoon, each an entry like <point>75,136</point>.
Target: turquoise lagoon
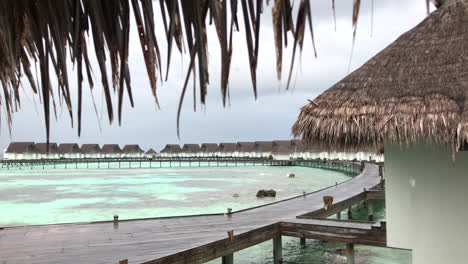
<point>33,196</point>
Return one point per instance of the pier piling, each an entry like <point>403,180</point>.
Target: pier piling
<point>370,210</point>
<point>350,253</point>
<point>277,250</point>
<point>303,242</point>
<point>228,259</point>
<point>350,213</point>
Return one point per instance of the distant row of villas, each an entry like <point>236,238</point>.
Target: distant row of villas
<point>279,150</point>
<point>31,151</point>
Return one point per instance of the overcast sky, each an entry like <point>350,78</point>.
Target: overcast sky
<point>270,118</point>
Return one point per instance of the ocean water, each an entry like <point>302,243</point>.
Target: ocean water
<point>36,196</point>
<point>81,193</point>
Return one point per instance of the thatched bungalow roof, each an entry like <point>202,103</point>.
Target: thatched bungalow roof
<point>21,147</point>
<point>68,148</point>
<point>171,148</point>
<point>150,152</point>
<point>245,146</point>
<point>414,90</point>
<point>227,147</point>
<point>190,148</point>
<point>263,146</point>
<point>282,147</point>
<point>209,147</point>
<point>90,148</point>
<point>44,148</point>
<point>132,149</point>
<point>111,149</point>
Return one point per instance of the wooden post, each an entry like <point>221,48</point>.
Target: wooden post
<point>381,176</point>
<point>338,215</point>
<point>370,210</point>
<point>350,253</point>
<point>350,213</point>
<point>228,259</point>
<point>277,250</point>
<point>303,242</point>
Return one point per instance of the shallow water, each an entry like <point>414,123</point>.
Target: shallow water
<point>30,197</point>
<point>318,252</point>
<point>62,195</point>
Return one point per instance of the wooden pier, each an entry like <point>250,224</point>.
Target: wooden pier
<point>132,163</point>
<point>195,239</point>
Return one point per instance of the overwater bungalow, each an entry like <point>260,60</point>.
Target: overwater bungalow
<point>170,151</point>
<point>282,150</point>
<point>411,99</point>
<point>263,149</point>
<point>228,150</point>
<point>245,149</point>
<point>111,151</point>
<point>47,151</point>
<point>208,150</point>
<point>132,151</point>
<point>189,150</point>
<point>150,154</point>
<point>91,151</point>
<point>69,151</point>
<point>20,151</point>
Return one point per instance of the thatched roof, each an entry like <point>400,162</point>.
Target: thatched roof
<point>132,149</point>
<point>209,147</point>
<point>111,149</point>
<point>263,146</point>
<point>415,89</point>
<point>90,148</point>
<point>171,148</point>
<point>282,147</point>
<point>190,148</point>
<point>227,147</point>
<point>245,146</point>
<point>44,148</point>
<point>68,148</point>
<point>21,147</point>
<point>151,151</point>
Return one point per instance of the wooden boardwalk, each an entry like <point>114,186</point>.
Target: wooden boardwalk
<point>192,239</point>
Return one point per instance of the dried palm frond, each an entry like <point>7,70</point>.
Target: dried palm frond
<point>54,32</point>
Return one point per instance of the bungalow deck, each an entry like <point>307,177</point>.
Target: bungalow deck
<point>194,239</point>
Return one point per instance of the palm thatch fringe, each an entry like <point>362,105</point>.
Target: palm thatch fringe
<point>53,32</point>
<point>414,90</point>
